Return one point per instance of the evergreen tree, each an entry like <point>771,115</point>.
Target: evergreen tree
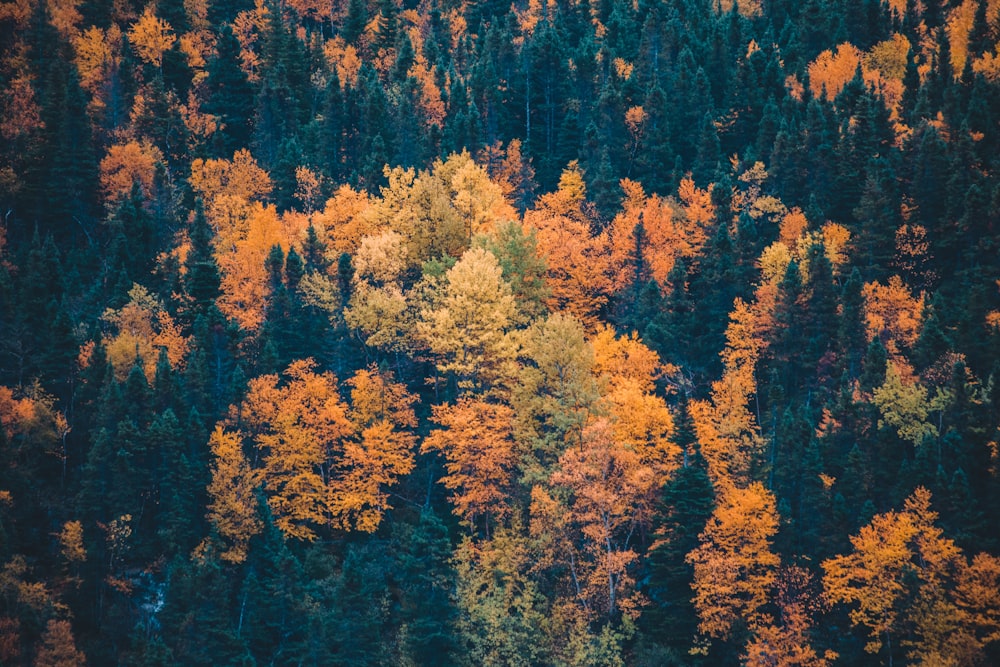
<point>230,95</point>
<point>202,280</point>
<point>687,502</point>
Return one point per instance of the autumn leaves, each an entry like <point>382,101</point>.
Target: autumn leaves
<point>550,434</point>
<point>319,462</point>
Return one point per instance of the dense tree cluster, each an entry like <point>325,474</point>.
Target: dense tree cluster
<point>463,333</point>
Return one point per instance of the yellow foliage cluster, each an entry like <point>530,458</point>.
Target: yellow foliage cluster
<point>138,331</point>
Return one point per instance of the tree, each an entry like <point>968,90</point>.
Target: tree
<point>788,644</point>
<point>299,427</point>
<point>503,609</point>
<point>378,307</point>
<point>232,507</point>
<point>151,37</point>
<point>734,567</point>
<point>58,647</point>
<point>201,279</point>
<point>904,576</point>
<point>652,233</point>
<point>610,494</point>
<point>578,274</point>
<point>127,164</point>
<point>382,413</point>
<point>516,249</point>
<point>476,439</point>
<point>556,393</point>
<point>905,406</point>
<point>892,314</point>
<point>641,420</point>
<point>686,503</point>
<point>727,430</point>
<point>230,94</point>
<point>143,327</point>
<point>321,462</point>
<point>468,321</point>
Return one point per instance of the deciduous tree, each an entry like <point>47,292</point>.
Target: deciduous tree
<point>734,567</point>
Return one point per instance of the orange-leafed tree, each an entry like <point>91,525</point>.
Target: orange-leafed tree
<point>20,113</point>
<point>232,492</point>
<point>641,420</point>
<point>138,330</point>
<point>429,99</point>
<point>832,70</point>
<point>97,55</point>
<point>239,177</point>
<point>905,579</point>
<point>65,16</point>
<point>476,439</point>
<point>241,250</point>
<point>246,230</point>
<point>786,642</point>
<point>58,647</point>
<point>892,314</point>
<point>509,169</point>
<point>298,426</point>
<point>734,567</point>
<point>579,262</point>
<point>380,453</point>
<point>652,233</point>
<point>343,223</point>
<point>608,487</point>
<point>126,164</point>
<point>645,240</point>
<point>977,599</point>
<point>726,428</point>
<point>151,37</point>
<point>324,463</point>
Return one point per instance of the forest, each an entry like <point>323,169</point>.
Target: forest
<point>476,333</point>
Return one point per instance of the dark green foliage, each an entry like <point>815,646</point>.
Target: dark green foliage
<point>687,502</point>
<point>230,95</point>
<point>201,280</point>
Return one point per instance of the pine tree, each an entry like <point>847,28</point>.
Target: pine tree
<point>202,280</point>
<point>230,95</point>
<point>687,501</point>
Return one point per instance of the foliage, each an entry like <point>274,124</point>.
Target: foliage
<point>674,313</point>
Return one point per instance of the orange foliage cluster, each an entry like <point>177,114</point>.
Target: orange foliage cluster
<point>477,441</point>
<point>322,462</point>
<point>127,164</point>
<point>579,273</point>
<point>882,68</point>
<point>19,111</point>
<point>668,231</point>
<point>905,553</point>
<point>892,314</point>
<point>138,331</point>
<point>734,567</point>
